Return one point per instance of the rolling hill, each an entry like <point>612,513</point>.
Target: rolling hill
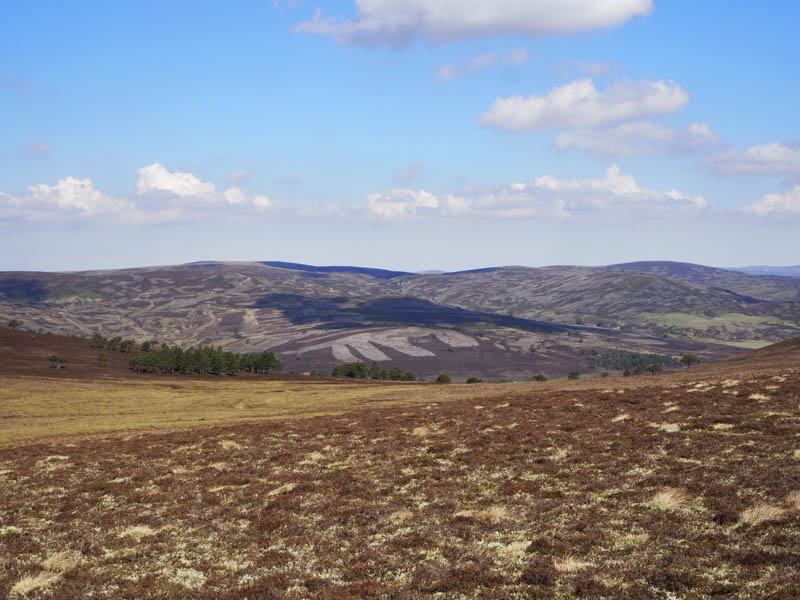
<point>498,322</point>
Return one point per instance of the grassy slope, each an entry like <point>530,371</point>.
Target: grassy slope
<point>559,492</point>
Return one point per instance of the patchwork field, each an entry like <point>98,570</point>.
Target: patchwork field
<point>680,486</point>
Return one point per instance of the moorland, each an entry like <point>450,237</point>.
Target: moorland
<point>681,485</point>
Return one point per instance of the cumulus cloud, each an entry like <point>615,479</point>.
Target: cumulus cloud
<point>637,138</point>
<point>580,105</point>
<point>768,159</point>
<point>400,203</point>
<point>156,177</point>
<point>614,196</point>
<point>41,147</point>
<point>73,198</point>
<point>160,195</point>
<point>776,203</point>
<point>515,57</point>
<point>399,22</point>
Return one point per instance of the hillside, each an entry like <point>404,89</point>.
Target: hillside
<point>678,486</point>
<point>482,321</point>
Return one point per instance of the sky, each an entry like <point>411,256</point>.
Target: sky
<point>401,134</point>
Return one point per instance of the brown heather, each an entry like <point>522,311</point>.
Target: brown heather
<point>354,506</point>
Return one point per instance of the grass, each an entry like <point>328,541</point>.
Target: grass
<point>32,408</point>
<point>352,504</point>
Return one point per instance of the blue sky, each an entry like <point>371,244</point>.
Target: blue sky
<point>402,134</point>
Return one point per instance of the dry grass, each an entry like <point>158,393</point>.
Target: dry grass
<point>793,500</point>
<point>63,561</point>
<point>670,499</point>
<point>570,564</point>
<point>493,514</point>
<point>761,513</point>
<point>760,397</point>
<point>621,417</point>
<point>32,582</point>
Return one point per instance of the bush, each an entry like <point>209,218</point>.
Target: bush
<point>574,375</point>
<point>443,378</point>
<point>539,377</point>
<point>13,323</point>
<point>474,380</point>
<point>57,362</point>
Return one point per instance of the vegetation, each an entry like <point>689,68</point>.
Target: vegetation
<point>443,378</point>
<point>206,360</point>
<point>14,324</point>
<point>574,375</point>
<point>689,360</point>
<point>539,377</point>
<point>57,362</point>
<point>622,359</point>
<point>360,370</point>
<point>474,380</point>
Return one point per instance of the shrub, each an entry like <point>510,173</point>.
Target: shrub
<point>443,378</point>
<point>474,380</point>
<point>574,375</point>
<point>539,377</point>
<point>13,323</point>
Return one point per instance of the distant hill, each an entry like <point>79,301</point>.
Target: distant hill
<point>354,313</point>
<point>766,270</point>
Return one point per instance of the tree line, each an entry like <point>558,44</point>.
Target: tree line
<point>205,360</point>
<point>360,370</point>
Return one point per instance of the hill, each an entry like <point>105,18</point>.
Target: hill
<point>497,322</point>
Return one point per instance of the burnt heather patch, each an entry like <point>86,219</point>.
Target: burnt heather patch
<point>544,495</point>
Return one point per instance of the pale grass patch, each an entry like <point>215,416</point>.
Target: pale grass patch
<point>779,378</point>
<point>515,548</point>
<point>420,431</point>
<point>179,470</point>
<point>187,577</point>
<point>670,499</point>
<point>220,466</point>
<point>731,392</point>
<point>671,409</point>
<point>400,516</point>
<point>559,454</point>
<point>9,530</point>
<point>622,417</point>
<point>570,564</point>
<point>137,532</point>
<point>761,397</point>
<point>32,582</point>
<point>63,561</point>
<point>667,427</point>
<point>230,445</point>
<point>631,540</point>
<point>220,488</point>
<point>492,514</point>
<point>772,388</point>
<point>793,500</point>
<point>507,404</point>
<point>761,513</point>
<point>796,454</point>
<point>314,457</point>
<point>730,383</point>
<point>285,488</point>
<point>479,407</point>
<point>722,426</point>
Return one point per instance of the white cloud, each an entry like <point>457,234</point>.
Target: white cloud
<point>160,195</point>
<point>41,147</point>
<point>637,138</point>
<point>398,22</point>
<point>447,72</point>
<point>400,203</point>
<point>156,177</point>
<point>776,203</point>
<point>580,104</point>
<point>73,198</point>
<point>768,159</point>
<point>615,196</point>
